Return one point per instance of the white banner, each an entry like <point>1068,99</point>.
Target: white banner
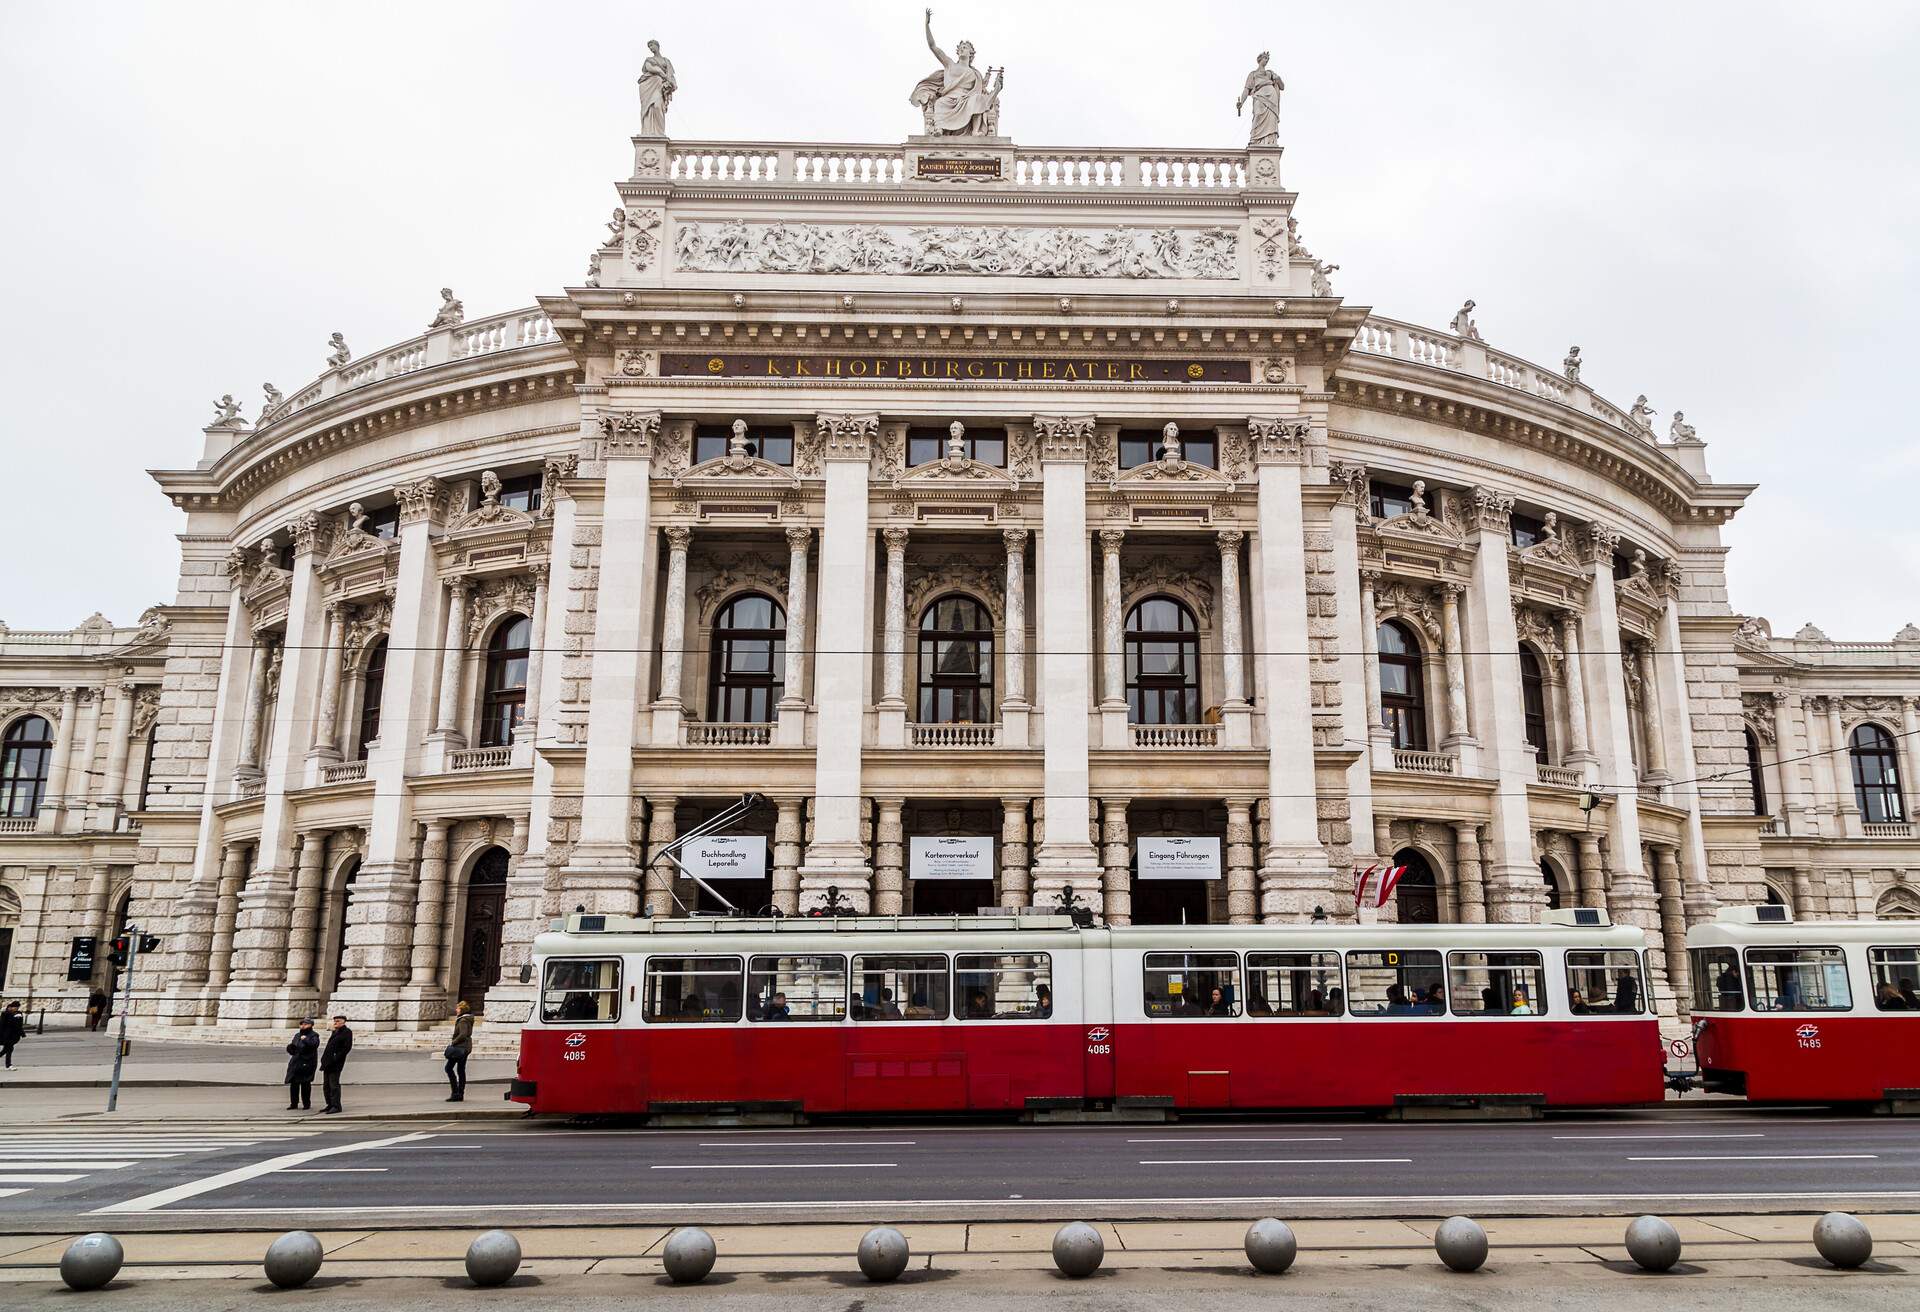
<point>951,858</point>
<point>722,857</point>
<point>1177,858</point>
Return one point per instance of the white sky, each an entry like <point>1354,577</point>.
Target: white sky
<point>1715,200</point>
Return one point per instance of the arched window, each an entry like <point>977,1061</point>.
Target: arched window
<point>373,687</point>
<point>1533,702</point>
<point>956,662</point>
<point>1876,776</point>
<point>25,753</point>
<point>1553,885</point>
<point>1163,663</point>
<point>749,659</point>
<point>1403,698</point>
<point>504,704</point>
<point>1756,775</point>
<point>1417,895</point>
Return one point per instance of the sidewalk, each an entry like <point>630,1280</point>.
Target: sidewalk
<point>80,1059</point>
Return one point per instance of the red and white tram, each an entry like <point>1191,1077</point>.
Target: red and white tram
<point>1809,1011</point>
<point>931,1014</point>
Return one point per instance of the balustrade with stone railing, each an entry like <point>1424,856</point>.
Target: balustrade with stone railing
<point>788,163</point>
<point>1408,761</point>
<point>1770,827</point>
<point>480,758</point>
<point>1174,735</point>
<point>1559,776</point>
<point>18,825</point>
<point>501,332</point>
<point>696,734</point>
<point>954,735</point>
<point>344,772</point>
<point>1896,829</point>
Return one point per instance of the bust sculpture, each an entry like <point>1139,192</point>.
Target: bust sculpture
<point>959,100</point>
<point>657,85</point>
<point>1170,444</point>
<point>1680,430</point>
<point>451,312</point>
<point>737,442</point>
<point>1571,365</point>
<point>1263,87</point>
<point>489,488</point>
<point>956,441</point>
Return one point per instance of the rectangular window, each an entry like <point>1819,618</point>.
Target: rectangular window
<point>383,522</point>
<point>1605,984</point>
<point>776,445</point>
<point>925,445</point>
<point>1138,448</point>
<point>1716,979</point>
<point>900,988</point>
<point>1525,530</point>
<point>1895,973</point>
<point>692,990</point>
<point>581,992</point>
<point>1192,984</point>
<point>522,494</point>
<point>1200,449</point>
<point>797,988</point>
<point>1294,984</point>
<point>1004,987</point>
<point>1497,983</point>
<point>1389,501</point>
<point>989,446</point>
<point>1798,979</point>
<point>1395,984</point>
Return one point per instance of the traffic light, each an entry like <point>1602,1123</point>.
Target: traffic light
<point>149,942</point>
<point>118,956</point>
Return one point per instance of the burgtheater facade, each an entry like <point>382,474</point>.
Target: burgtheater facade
<point>1023,525</point>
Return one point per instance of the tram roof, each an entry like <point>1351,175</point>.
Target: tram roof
<point>1812,933</point>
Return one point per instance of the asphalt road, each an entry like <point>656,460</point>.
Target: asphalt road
<point>1712,1159</point>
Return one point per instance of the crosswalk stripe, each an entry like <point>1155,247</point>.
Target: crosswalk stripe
<point>38,1179</point>
<point>88,1164</point>
<point>8,1193</point>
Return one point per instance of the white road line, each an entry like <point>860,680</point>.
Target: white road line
<point>64,1164</point>
<point>8,1193</point>
<point>1768,1157</point>
<point>43,1154</point>
<point>771,1166</point>
<point>1310,1138</point>
<point>823,1143</point>
<point>1271,1161</point>
<point>240,1175</point>
<point>1605,1137</point>
<point>332,1170</point>
<point>39,1179</point>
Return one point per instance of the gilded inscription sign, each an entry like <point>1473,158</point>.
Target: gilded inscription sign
<point>956,368</point>
<point>941,166</point>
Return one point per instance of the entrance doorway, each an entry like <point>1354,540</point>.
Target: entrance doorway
<point>1171,901</point>
<point>481,929</point>
<point>951,897</point>
<point>343,901</point>
<point>1417,896</point>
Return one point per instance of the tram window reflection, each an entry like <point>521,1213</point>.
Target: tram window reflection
<point>580,992</point>
<point>1192,984</point>
<point>900,988</point>
<point>1497,983</point>
<point>1395,984</point>
<point>1293,984</point>
<point>1716,979</point>
<point>1004,987</point>
<point>1894,972</point>
<point>1798,979</point>
<point>1605,984</point>
<point>692,990</point>
<point>797,988</point>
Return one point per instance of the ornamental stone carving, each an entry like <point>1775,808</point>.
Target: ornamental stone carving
<point>451,313</point>
<point>338,353</point>
<point>1407,602</point>
<point>1599,545</point>
<point>984,581</point>
<point>846,436</point>
<point>1236,455</point>
<point>1352,481</point>
<point>495,597</point>
<point>1163,574</point>
<point>556,469</point>
<point>1418,519</point>
<point>1279,441</point>
<point>1552,545</point>
<point>1538,630</point>
<point>643,236</point>
<point>146,709</point>
<point>490,511</point>
<point>1263,87</point>
<point>1063,437</point>
<point>947,250</point>
<point>958,100</point>
<point>1756,709</point>
<point>310,532</point>
<point>226,413</point>
<point>1022,453</point>
<point>636,364</point>
<point>1270,247</point>
<point>1754,629</point>
<point>366,622</point>
<point>424,499</point>
<point>1492,510</point>
<point>630,432</point>
<point>752,571</point>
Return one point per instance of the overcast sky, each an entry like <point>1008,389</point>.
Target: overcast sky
<point>1716,201</point>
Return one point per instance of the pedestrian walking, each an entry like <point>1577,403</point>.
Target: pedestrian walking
<point>13,1026</point>
<point>456,1053</point>
<point>303,1054</point>
<point>333,1060</point>
<point>96,1008</point>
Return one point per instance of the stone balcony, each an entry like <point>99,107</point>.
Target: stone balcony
<point>953,735</point>
<point>1407,761</point>
<point>885,167</point>
<point>1178,736</point>
<point>697,734</point>
<point>1893,829</point>
<point>479,758</point>
<point>1559,776</point>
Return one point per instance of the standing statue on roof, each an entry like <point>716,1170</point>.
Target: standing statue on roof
<point>1571,365</point>
<point>1263,87</point>
<point>657,85</point>
<point>956,101</point>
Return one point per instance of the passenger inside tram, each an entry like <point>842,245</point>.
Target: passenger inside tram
<point>1577,1004</point>
<point>777,1008</point>
<point>1887,997</point>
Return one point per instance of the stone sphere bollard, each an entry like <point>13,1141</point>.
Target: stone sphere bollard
<point>492,1258</point>
<point>882,1254</point>
<point>1842,1239</point>
<point>689,1255</point>
<point>1271,1246</point>
<point>1078,1249</point>
<point>91,1261</point>
<point>293,1259</point>
<point>1461,1243</point>
<point>1653,1243</point>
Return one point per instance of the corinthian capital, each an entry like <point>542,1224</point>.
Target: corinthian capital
<point>630,433</point>
<point>425,499</point>
<point>1063,437</point>
<point>1015,539</point>
<point>1600,544</point>
<point>679,537</point>
<point>1351,479</point>
<point>846,436</point>
<point>309,533</point>
<point>1279,441</point>
<point>1492,510</point>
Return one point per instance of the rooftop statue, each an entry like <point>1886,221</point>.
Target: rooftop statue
<point>1571,365</point>
<point>1463,324</point>
<point>657,86</point>
<point>1641,416</point>
<point>1680,430</point>
<point>959,100</point>
<point>226,412</point>
<point>337,354</point>
<point>273,402</point>
<point>451,312</point>
<point>1263,87</point>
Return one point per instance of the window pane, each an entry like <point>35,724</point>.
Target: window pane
<point>693,989</point>
<point>581,991</point>
<point>1395,984</point>
<point>991,451</point>
<point>1200,450</point>
<point>1394,680</point>
<point>777,448</point>
<point>1010,987</point>
<point>1605,984</point>
<point>900,988</point>
<point>1894,972</point>
<point>1136,450</point>
<point>1192,984</point>
<point>1294,984</point>
<point>797,989</point>
<point>1798,979</point>
<point>1497,983</point>
<point>709,445</point>
<point>1716,980</point>
<point>925,446</point>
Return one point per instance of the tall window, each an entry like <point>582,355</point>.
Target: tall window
<point>1403,698</point>
<point>1876,776</point>
<point>772,444</point>
<point>987,445</point>
<point>504,704</point>
<point>956,662</point>
<point>1533,701</point>
<point>749,653</point>
<point>25,754</point>
<point>1756,775</point>
<point>1163,663</point>
<point>373,686</point>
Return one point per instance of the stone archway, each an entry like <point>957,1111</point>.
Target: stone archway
<point>1417,896</point>
<point>482,928</point>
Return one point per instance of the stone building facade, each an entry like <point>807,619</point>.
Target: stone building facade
<point>1055,502</point>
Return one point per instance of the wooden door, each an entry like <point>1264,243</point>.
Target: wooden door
<point>480,942</point>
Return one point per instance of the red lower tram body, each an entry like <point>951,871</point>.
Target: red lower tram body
<point>1811,1058</point>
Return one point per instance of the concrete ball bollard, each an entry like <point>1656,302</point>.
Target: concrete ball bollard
<point>293,1259</point>
<point>91,1261</point>
<point>689,1255</point>
<point>1078,1249</point>
<point>1461,1243</point>
<point>492,1258</point>
<point>1653,1243</point>
<point>882,1254</point>
<point>1271,1246</point>
<point>1843,1240</point>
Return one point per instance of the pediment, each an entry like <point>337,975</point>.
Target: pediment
<point>491,514</point>
<point>355,541</point>
<point>731,468</point>
<point>958,469</point>
<point>1419,524</point>
<point>1175,473</point>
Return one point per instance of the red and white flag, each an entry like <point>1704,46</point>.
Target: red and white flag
<point>1387,882</point>
<point>1360,883</point>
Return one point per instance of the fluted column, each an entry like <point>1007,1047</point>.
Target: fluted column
<point>226,912</point>
<point>1016,889</point>
<point>1651,717</point>
<point>789,832</point>
<point>1116,882</point>
<point>1593,879</point>
<point>1243,888</point>
<point>1459,730</point>
<point>1673,922</point>
<point>1377,731</point>
<point>536,651</point>
<point>673,620</point>
<point>59,786</point>
<point>119,743</point>
<point>1580,751</point>
<point>1793,799</point>
<point>1113,677</point>
<point>326,727</point>
<point>798,539</point>
<point>452,657</point>
<point>1016,641</point>
<point>894,656</point>
<point>1840,764</point>
<point>303,925</point>
<point>248,767</point>
<point>1472,884</point>
<point>661,830</point>
<point>1232,643</point>
<point>889,860</point>
<point>428,925</point>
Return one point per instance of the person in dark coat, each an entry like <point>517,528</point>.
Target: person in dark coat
<point>13,1027</point>
<point>333,1060</point>
<point>303,1054</point>
<point>457,1051</point>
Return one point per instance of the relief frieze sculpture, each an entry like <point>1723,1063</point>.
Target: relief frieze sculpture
<point>976,250</point>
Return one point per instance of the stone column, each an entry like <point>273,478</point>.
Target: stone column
<point>793,702</point>
<point>1472,881</point>
<point>1579,751</point>
<point>1016,892</point>
<point>1115,845</point>
<point>453,653</point>
<point>1593,878</point>
<point>428,926</point>
<point>1243,890</point>
<point>889,861</point>
<point>303,928</point>
<point>789,835</point>
<point>1113,669</point>
<point>670,707</point>
<point>1603,670</point>
<point>326,730</point>
<point>1459,729</point>
<point>1379,736</point>
<point>662,829</point>
<point>1016,640</point>
<point>1840,761</point>
<point>891,717</point>
<point>226,911</point>
<point>1651,717</point>
<point>248,767</point>
<point>1673,925</point>
<point>1793,800</point>
<point>1232,645</point>
<point>529,726</point>
<point>59,786</point>
<point>119,742</point>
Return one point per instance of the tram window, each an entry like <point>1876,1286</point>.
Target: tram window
<point>1184,984</point>
<point>797,988</point>
<point>1895,972</point>
<point>1293,984</point>
<point>1010,987</point>
<point>900,988</point>
<point>1798,979</point>
<point>1395,984</point>
<point>580,992</point>
<point>1605,984</point>
<point>1716,980</point>
<point>1497,983</point>
<point>692,990</point>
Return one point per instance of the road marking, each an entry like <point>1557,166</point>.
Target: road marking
<point>332,1170</point>
<point>1603,1137</point>
<point>39,1179</point>
<point>8,1193</point>
<point>1272,1161</point>
<point>240,1175</point>
<point>771,1166</point>
<point>1313,1138</point>
<point>118,1150</point>
<point>63,1163</point>
<point>1769,1157</point>
<point>822,1143</point>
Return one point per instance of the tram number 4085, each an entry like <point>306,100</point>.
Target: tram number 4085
<point>1099,1041</point>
